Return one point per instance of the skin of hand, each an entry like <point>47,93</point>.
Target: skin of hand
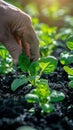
<point>17,33</point>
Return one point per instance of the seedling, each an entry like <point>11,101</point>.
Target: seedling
<point>42,94</point>
<point>35,69</point>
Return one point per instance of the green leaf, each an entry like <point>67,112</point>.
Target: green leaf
<point>70,43</point>
<point>44,50</point>
<point>32,98</point>
<point>70,84</point>
<point>48,64</point>
<point>43,89</point>
<point>68,70</point>
<point>3,52</point>
<point>66,58</point>
<point>33,91</point>
<point>34,67</point>
<point>70,77</point>
<point>47,107</point>
<point>24,62</point>
<point>56,96</point>
<point>18,82</point>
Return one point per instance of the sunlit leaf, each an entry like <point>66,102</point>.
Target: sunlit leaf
<point>70,43</point>
<point>48,64</point>
<point>43,89</point>
<point>68,70</point>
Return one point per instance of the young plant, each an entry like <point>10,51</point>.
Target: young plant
<point>35,69</point>
<point>42,94</point>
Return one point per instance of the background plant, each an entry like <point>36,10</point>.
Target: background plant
<point>66,58</point>
<point>6,62</point>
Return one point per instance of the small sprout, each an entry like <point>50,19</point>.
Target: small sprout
<point>35,70</point>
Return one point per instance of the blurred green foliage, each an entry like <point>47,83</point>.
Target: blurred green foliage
<point>51,12</point>
<point>16,3</point>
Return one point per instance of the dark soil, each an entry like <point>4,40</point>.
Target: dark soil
<point>14,110</point>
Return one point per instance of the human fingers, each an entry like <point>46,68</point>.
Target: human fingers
<point>31,38</point>
<point>14,49</point>
<point>26,48</point>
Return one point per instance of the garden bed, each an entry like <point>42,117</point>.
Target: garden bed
<point>15,111</point>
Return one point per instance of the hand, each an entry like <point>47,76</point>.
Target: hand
<point>17,33</point>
